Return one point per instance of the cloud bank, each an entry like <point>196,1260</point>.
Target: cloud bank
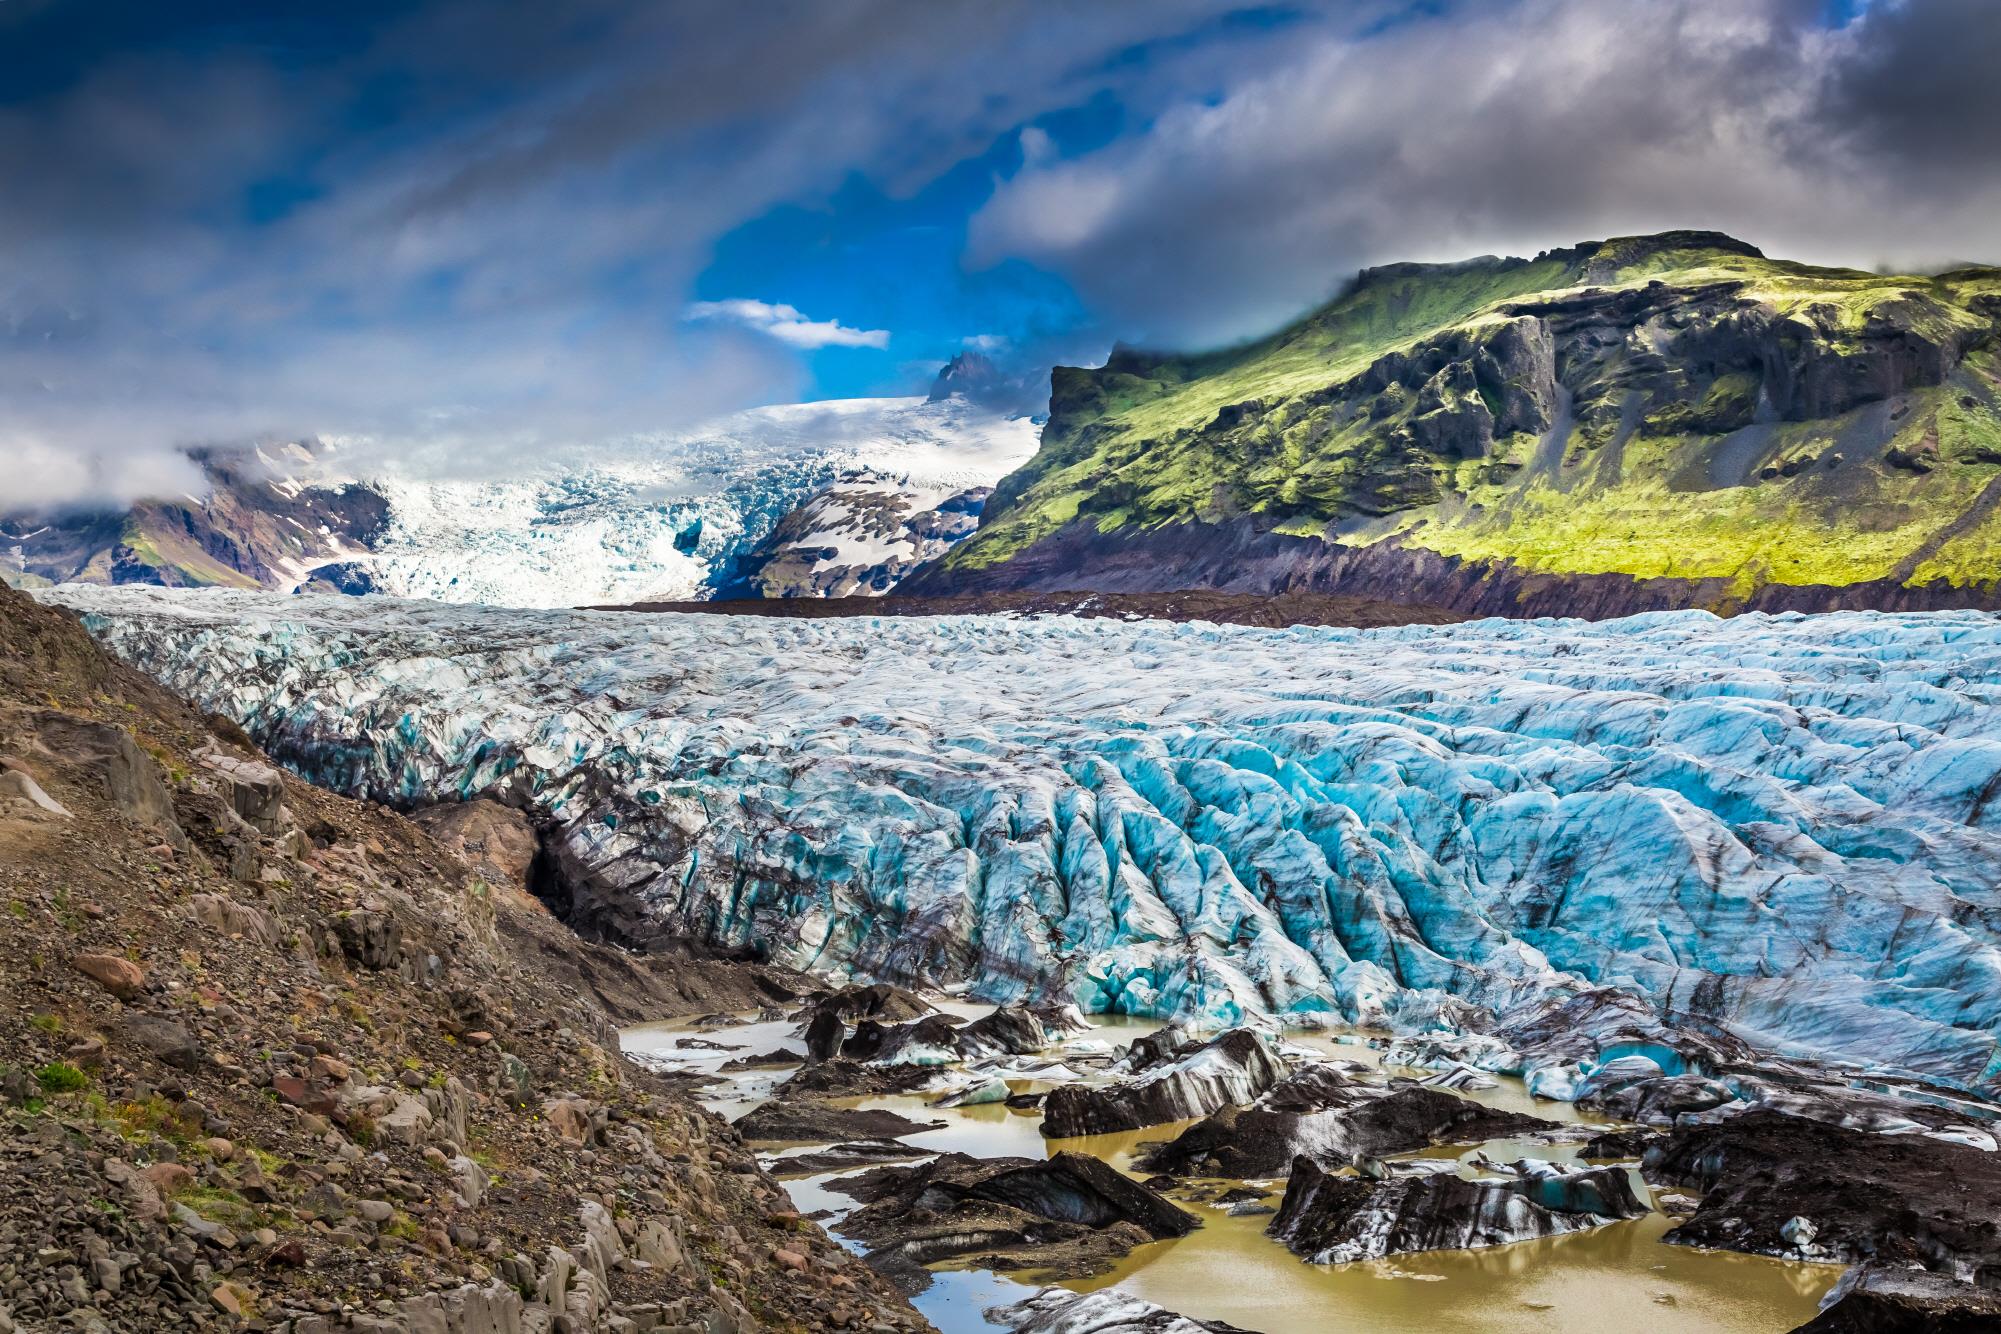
<point>1510,126</point>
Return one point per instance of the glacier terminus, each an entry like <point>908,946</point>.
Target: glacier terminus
<point>1779,830</point>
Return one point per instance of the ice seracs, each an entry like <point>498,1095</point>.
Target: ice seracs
<point>1582,838</point>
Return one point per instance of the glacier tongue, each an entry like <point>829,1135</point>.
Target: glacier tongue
<point>1787,825</point>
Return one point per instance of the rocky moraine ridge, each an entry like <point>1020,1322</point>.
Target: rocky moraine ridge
<point>276,1059</point>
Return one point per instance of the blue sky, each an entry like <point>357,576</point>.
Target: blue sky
<point>482,227</point>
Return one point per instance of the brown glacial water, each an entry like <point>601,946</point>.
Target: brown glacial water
<point>1615,1278</point>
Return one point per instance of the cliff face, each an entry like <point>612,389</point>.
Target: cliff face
<point>1672,420</point>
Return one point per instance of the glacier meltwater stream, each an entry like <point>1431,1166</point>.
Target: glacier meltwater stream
<point>1616,1277</point>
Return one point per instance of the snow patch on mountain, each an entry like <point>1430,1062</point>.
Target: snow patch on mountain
<point>670,517</point>
<point>1785,826</point>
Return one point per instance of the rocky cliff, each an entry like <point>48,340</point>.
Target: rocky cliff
<point>1648,422</point>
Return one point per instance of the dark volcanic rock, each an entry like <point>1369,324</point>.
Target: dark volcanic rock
<point>936,1038</point>
<point>824,1035</point>
<point>1009,1031</point>
<point>873,1041</point>
<point>809,1123</point>
<point>1332,1124</point>
<point>1889,1199</point>
<point>880,1001</point>
<point>163,1039</point>
<point>1106,1311</point>
<point>1070,1215</point>
<point>1334,1220</point>
<point>1235,1068</point>
<point>1869,1300</point>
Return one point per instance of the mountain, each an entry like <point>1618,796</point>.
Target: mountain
<point>1641,423</point>
<point>860,536</point>
<point>258,526</point>
<point>685,515</point>
<point>673,517</point>
<point>978,379</point>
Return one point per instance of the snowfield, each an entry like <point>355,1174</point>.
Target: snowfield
<point>1787,825</point>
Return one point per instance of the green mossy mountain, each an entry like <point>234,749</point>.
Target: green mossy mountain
<point>1654,421</point>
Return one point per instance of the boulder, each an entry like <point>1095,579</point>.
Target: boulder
<point>1194,1081</point>
<point>408,1121</point>
<point>18,787</point>
<point>880,1001</point>
<point>226,917</point>
<point>368,937</point>
<point>256,791</point>
<point>162,1039</point>
<point>127,775</point>
<point>824,1034</point>
<point>1008,1031</point>
<point>932,1040</point>
<point>1336,1220</point>
<point>575,1119</point>
<point>119,976</point>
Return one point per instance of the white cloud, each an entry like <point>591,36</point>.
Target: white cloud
<point>787,324</point>
<point>986,343</point>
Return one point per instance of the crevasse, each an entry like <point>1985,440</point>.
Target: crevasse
<point>1787,825</point>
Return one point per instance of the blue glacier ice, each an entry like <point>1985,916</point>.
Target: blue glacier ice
<point>1785,826</point>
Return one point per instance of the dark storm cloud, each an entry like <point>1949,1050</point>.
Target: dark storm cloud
<point>1921,89</point>
<point>1516,126</point>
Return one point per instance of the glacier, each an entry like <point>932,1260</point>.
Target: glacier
<point>671,517</point>
<point>1785,827</point>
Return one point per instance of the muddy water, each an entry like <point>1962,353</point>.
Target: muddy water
<point>1613,1278</point>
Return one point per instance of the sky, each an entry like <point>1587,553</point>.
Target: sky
<point>471,229</point>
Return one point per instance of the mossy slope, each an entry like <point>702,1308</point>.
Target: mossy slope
<point>1673,406</point>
